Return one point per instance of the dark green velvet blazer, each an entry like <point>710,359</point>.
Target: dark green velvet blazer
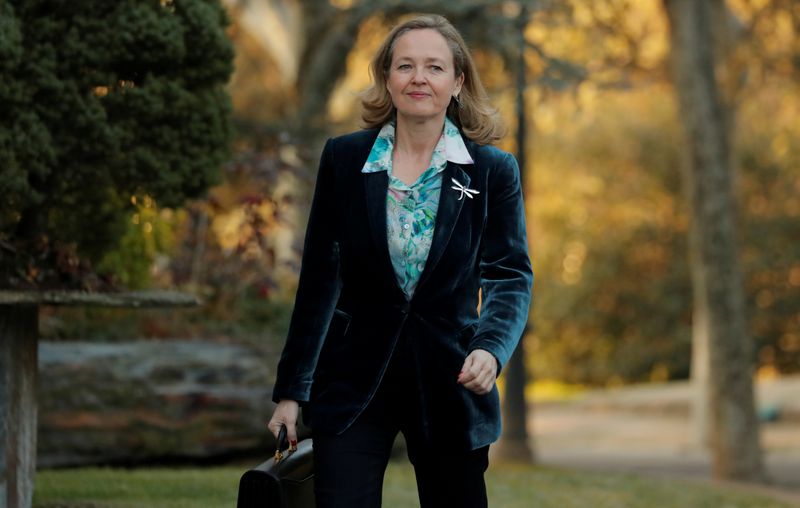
<point>350,311</point>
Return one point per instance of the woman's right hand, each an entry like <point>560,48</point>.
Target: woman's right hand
<point>285,414</point>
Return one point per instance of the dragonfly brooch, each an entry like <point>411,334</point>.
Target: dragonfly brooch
<point>463,190</point>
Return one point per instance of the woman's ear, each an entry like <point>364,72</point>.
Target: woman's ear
<point>459,83</point>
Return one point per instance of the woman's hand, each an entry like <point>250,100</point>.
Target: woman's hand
<point>285,414</point>
<point>479,372</point>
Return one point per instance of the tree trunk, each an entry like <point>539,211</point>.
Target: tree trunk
<point>721,327</point>
<point>700,375</point>
<point>726,32</point>
<point>513,445</point>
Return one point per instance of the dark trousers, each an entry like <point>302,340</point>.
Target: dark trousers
<point>349,467</point>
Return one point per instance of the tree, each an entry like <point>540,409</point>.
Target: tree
<point>103,102</point>
<point>513,444</point>
<point>719,301</point>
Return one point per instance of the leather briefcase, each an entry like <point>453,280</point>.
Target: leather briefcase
<point>284,481</point>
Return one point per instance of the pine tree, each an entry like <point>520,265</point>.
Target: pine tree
<point>100,102</point>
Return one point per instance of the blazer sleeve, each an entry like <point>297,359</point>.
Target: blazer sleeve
<point>505,267</point>
<point>317,291</point>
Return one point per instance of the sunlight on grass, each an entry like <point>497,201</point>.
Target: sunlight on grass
<point>509,487</point>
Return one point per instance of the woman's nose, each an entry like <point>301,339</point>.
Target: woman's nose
<point>419,76</point>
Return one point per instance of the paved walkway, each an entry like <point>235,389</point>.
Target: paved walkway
<point>647,430</point>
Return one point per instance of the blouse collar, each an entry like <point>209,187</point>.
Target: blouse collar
<point>380,157</point>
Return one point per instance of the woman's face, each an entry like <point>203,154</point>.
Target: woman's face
<point>422,76</point>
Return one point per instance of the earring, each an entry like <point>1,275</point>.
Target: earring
<point>458,102</point>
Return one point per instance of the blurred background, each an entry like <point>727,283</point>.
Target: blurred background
<point>607,210</point>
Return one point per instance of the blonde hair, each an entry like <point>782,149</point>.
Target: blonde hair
<point>472,112</point>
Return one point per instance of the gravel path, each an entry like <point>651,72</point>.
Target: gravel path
<point>647,430</point>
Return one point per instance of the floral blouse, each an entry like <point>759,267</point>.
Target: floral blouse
<point>411,209</point>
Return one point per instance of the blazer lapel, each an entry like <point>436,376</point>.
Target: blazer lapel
<point>446,216</point>
<point>376,186</point>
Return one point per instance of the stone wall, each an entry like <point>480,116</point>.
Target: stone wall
<point>146,401</point>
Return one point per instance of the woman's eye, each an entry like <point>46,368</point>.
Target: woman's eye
<point>403,67</point>
<point>437,68</point>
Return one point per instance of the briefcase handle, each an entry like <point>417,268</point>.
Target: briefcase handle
<point>283,445</point>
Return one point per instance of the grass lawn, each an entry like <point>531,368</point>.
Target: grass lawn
<point>509,487</point>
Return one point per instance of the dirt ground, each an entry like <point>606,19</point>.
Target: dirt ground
<point>647,430</point>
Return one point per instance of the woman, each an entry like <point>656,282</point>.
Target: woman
<point>410,219</point>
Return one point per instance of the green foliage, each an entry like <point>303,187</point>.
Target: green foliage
<point>25,144</point>
<point>111,100</point>
<point>148,233</point>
